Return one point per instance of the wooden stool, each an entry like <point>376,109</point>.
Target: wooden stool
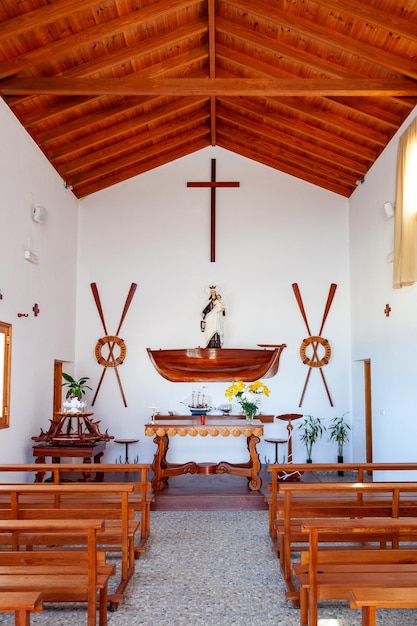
<point>276,442</point>
<point>126,443</point>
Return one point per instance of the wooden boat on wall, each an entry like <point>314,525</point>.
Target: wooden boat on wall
<point>217,364</point>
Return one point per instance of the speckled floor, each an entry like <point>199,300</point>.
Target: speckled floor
<point>210,568</point>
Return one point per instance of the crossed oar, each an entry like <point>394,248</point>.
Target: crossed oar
<point>112,340</point>
<point>315,340</point>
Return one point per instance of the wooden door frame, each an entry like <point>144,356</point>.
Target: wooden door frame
<point>368,408</point>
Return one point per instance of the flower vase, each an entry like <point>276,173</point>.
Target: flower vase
<point>249,417</point>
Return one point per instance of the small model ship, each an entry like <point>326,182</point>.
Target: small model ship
<point>198,403</point>
<point>217,364</point>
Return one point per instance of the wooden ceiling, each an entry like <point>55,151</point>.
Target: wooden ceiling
<point>110,89</point>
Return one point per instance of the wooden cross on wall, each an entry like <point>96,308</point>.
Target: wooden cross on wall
<point>213,184</point>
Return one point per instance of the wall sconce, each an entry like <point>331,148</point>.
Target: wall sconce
<point>389,209</point>
<point>39,214</point>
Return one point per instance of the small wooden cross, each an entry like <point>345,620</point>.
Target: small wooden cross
<point>387,310</point>
<point>213,184</point>
<point>36,309</point>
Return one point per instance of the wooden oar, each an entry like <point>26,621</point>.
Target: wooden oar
<point>301,305</point>
<point>330,297</point>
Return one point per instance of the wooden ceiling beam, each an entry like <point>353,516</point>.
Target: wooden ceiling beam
<point>211,16</point>
<point>272,71</point>
<point>208,87</point>
<point>165,68</point>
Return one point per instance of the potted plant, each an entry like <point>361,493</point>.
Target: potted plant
<point>74,395</point>
<point>311,429</point>
<point>339,432</point>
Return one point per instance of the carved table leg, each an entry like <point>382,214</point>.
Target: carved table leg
<point>162,469</point>
<point>250,469</point>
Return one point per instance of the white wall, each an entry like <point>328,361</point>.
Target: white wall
<point>26,178</point>
<point>271,232</point>
<point>387,341</point>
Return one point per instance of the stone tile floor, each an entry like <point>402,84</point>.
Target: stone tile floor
<point>210,568</point>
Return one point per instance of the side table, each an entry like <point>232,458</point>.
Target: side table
<point>276,442</point>
<point>88,452</point>
<point>126,443</point>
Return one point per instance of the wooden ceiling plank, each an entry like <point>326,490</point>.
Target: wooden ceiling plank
<point>137,142</point>
<point>375,16</point>
<point>208,87</point>
<point>92,35</point>
<point>136,157</point>
<point>292,156</point>
<point>82,190</point>
<point>96,137</point>
<point>309,130</point>
<point>47,14</point>
<point>284,19</point>
<point>287,168</point>
<point>287,140</point>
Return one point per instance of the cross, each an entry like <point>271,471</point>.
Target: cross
<point>387,310</point>
<point>35,309</point>
<point>213,184</point>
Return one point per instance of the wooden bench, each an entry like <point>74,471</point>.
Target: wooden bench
<point>369,599</point>
<point>327,578</point>
<point>85,583</point>
<point>48,501</point>
<point>58,473</point>
<point>301,501</point>
<point>359,471</point>
<point>22,604</point>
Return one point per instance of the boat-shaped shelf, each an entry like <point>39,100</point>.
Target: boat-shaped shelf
<point>194,365</point>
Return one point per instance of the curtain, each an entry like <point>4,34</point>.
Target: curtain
<point>405,225</point>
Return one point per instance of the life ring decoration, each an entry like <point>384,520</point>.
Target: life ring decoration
<point>314,341</point>
<point>111,360</point>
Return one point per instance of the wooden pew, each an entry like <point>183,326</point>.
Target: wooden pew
<point>22,604</point>
<point>58,473</point>
<point>359,471</point>
<point>324,579</point>
<point>369,599</point>
<point>302,501</point>
<point>48,501</point>
<point>55,583</point>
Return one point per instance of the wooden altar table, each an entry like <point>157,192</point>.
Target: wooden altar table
<point>214,426</point>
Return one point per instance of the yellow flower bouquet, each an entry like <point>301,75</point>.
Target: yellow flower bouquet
<point>247,395</point>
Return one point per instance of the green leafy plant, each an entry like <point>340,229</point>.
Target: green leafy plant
<point>311,429</point>
<point>76,388</point>
<point>339,431</point>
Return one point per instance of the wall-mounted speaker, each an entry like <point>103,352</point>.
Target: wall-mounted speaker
<point>39,214</point>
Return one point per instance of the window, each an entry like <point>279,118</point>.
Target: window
<point>405,228</point>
